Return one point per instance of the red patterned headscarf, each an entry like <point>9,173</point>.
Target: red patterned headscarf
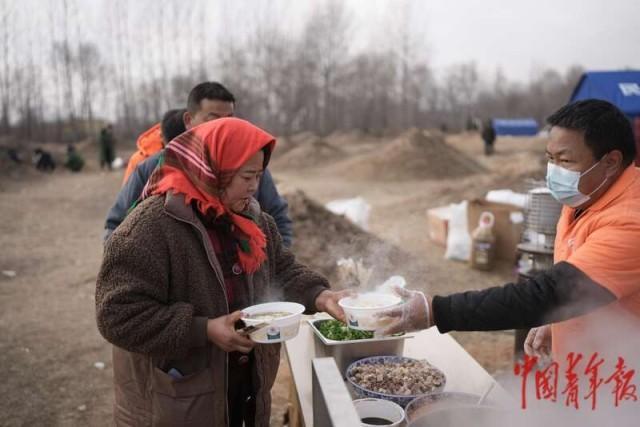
<point>201,163</point>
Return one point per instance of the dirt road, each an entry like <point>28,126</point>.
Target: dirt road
<point>50,235</point>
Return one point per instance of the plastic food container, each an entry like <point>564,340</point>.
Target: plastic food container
<point>362,309</point>
<point>346,352</point>
<point>379,410</point>
<point>280,328</point>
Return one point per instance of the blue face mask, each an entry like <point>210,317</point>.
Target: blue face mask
<point>563,184</point>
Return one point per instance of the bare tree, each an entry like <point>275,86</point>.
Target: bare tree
<point>571,79</point>
<point>269,65</point>
<point>326,42</point>
<point>122,58</point>
<point>461,89</point>
<point>310,78</point>
<point>203,40</point>
<point>405,57</point>
<point>5,68</point>
<point>27,87</point>
<point>63,53</point>
<point>370,92</point>
<point>89,65</point>
<point>28,118</point>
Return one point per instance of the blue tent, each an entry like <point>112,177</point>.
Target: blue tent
<point>515,127</point>
<point>621,88</point>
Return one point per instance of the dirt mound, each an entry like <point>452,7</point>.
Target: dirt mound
<point>308,154</point>
<point>283,145</point>
<point>339,138</point>
<point>415,154</point>
<point>303,137</point>
<point>321,238</point>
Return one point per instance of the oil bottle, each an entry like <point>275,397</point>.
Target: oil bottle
<point>483,243</point>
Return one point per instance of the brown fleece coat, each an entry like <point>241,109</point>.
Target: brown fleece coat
<point>159,283</point>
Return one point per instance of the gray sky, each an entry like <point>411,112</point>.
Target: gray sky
<point>521,36</point>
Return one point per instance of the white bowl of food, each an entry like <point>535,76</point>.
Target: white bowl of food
<point>362,310</point>
<point>282,319</point>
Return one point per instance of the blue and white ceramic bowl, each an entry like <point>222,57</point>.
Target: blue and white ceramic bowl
<point>401,399</point>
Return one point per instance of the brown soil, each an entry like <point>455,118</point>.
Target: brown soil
<point>307,154</point>
<point>51,235</point>
<point>413,155</point>
<point>287,143</point>
<point>303,137</point>
<point>321,238</point>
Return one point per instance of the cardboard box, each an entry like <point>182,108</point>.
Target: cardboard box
<point>438,224</point>
<point>508,226</point>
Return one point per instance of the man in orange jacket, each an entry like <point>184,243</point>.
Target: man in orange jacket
<point>589,301</point>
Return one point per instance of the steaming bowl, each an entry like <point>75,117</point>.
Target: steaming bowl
<point>361,310</point>
<point>279,329</point>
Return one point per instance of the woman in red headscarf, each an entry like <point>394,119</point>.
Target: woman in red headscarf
<point>178,271</point>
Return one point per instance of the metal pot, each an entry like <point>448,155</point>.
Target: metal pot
<point>466,415</point>
<point>424,405</point>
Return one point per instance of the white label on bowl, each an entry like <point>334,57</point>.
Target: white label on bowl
<point>273,333</point>
<point>353,321</point>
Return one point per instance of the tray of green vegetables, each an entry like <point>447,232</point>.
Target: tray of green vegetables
<point>346,345</point>
<point>331,332</point>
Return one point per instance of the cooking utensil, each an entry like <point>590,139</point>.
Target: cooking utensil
<point>247,330</point>
<point>280,328</point>
<point>486,393</point>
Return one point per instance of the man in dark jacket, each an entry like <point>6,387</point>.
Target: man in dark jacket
<point>488,136</point>
<point>43,160</point>
<point>107,147</point>
<point>589,301</point>
<point>207,101</point>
